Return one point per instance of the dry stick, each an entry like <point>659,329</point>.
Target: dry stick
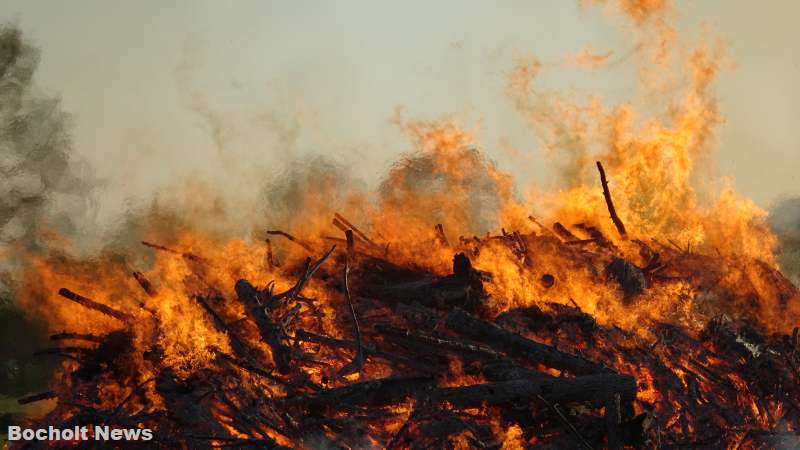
<point>91,304</point>
<point>677,247</point>
<point>356,230</point>
<point>613,212</point>
<point>544,228</point>
<point>437,341</point>
<point>440,234</point>
<point>130,396</point>
<point>342,227</point>
<point>308,272</point>
<point>369,350</point>
<point>36,397</point>
<point>239,347</point>
<point>271,332</point>
<point>358,359</point>
<point>64,351</point>
<point>186,255</point>
<point>146,285</point>
<point>270,258</point>
<point>77,336</point>
<point>288,236</point>
<point>563,232</point>
<point>565,421</point>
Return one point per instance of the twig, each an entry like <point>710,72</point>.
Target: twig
<point>146,285</point>
<point>186,255</point>
<point>565,421</point>
<point>358,359</point>
<point>607,194</point>
<point>76,336</point>
<point>441,236</point>
<point>130,396</point>
<point>36,397</point>
<point>91,304</point>
<point>308,271</point>
<point>288,236</point>
<point>356,230</point>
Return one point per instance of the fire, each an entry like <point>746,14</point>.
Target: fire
<point>663,298</point>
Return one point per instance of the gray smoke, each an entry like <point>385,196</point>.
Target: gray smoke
<point>42,191</point>
<point>43,186</point>
<point>785,221</point>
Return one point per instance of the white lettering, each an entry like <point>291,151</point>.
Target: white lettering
<point>101,433</point>
<point>14,433</point>
<point>132,435</point>
<point>81,433</point>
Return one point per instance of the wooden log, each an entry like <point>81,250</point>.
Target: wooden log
<point>270,332</point>
<point>146,285</point>
<point>369,350</point>
<point>239,347</point>
<point>450,344</point>
<point>380,392</point>
<point>562,232</point>
<point>589,388</point>
<point>36,397</point>
<point>91,304</point>
<point>518,346</point>
<point>77,336</point>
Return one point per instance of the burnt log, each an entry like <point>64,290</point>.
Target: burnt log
<point>270,332</point>
<point>380,392</point>
<point>515,345</point>
<point>595,389</point>
<point>630,278</point>
<point>91,304</point>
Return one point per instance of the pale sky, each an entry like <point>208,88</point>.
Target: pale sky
<point>161,89</point>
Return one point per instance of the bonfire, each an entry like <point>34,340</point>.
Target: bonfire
<point>627,309</point>
<point>348,348</point>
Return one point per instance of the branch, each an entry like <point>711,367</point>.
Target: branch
<point>613,212</point>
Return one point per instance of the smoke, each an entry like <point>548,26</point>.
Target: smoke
<point>43,186</point>
<point>784,218</point>
<point>44,198</point>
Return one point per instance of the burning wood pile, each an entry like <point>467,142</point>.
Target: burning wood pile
<point>359,351</point>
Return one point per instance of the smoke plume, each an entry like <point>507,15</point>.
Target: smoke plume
<point>43,186</point>
<point>785,221</point>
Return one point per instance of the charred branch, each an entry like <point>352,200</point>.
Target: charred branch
<point>610,203</point>
<point>589,388</point>
<point>518,346</point>
<point>91,304</point>
<point>307,247</point>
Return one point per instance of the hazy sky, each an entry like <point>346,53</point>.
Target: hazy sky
<point>164,89</point>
